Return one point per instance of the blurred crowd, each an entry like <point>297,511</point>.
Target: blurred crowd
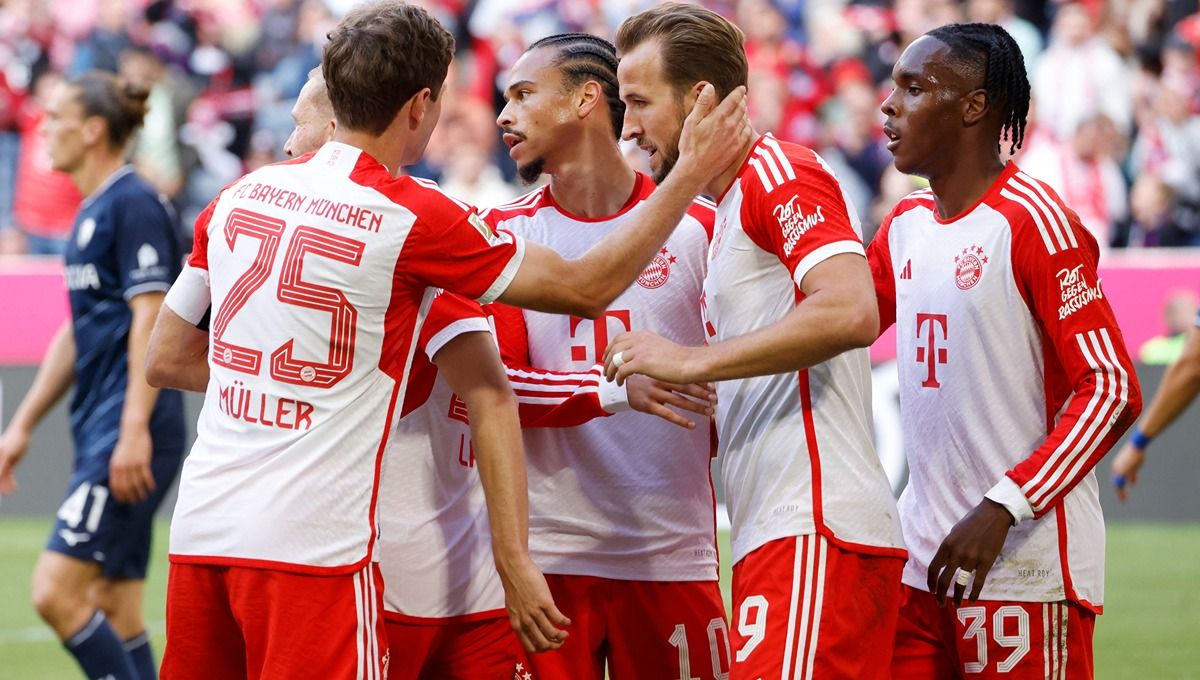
<point>1114,124</point>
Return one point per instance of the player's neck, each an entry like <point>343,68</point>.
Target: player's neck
<point>387,148</point>
<point>962,185</point>
<point>721,182</point>
<point>595,183</point>
<point>95,170</point>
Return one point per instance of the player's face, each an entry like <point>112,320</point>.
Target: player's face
<point>63,128</point>
<point>314,123</point>
<point>923,114</point>
<point>537,108</point>
<point>654,110</point>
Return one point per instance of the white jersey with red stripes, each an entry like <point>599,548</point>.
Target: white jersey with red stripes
<point>630,496</point>
<point>796,449</point>
<point>1014,381</point>
<point>435,549</point>
<point>319,273</point>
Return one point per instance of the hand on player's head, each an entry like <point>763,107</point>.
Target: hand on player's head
<point>714,135</point>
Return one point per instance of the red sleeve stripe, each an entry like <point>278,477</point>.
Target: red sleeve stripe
<point>1054,205</point>
<point>553,388</point>
<point>1108,400</point>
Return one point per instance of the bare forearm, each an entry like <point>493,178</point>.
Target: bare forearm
<point>177,356</point>
<point>501,459</point>
<point>1180,385</point>
<point>140,396</point>
<point>823,326</point>
<point>54,377</point>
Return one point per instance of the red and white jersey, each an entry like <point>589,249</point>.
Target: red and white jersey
<point>1014,381</point>
<point>796,449</point>
<point>435,547</point>
<point>320,273</point>
<point>630,496</point>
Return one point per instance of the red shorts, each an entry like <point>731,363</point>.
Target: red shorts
<point>992,639</point>
<point>805,608</point>
<point>454,650</point>
<point>242,622</point>
<point>643,629</point>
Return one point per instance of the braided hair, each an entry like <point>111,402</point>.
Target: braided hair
<point>582,57</point>
<point>986,52</point>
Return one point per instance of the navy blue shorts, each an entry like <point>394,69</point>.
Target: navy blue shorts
<point>93,527</point>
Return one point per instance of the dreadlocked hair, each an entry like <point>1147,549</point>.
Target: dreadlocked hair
<point>987,52</point>
<point>582,57</point>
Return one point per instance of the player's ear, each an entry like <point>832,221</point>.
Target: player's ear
<point>975,106</point>
<point>418,107</point>
<point>692,94</point>
<point>94,130</point>
<point>587,97</point>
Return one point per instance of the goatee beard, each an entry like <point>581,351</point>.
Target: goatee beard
<point>530,172</point>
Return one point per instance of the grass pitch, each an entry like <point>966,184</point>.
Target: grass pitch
<point>1148,630</point>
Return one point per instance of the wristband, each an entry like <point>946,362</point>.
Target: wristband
<point>1139,438</point>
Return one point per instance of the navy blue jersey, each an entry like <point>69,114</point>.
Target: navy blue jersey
<point>123,244</point>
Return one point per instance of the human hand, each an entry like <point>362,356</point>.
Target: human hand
<point>129,475</point>
<point>14,443</point>
<point>654,396</point>
<point>531,611</point>
<point>713,135</point>
<point>644,353</point>
<point>972,546</point>
<point>1125,468</point>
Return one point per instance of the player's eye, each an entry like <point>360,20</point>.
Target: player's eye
<point>914,90</point>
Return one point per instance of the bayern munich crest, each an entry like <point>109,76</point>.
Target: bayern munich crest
<point>968,267</point>
<point>656,273</point>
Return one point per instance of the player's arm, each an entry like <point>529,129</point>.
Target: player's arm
<point>471,367</point>
<point>586,286</point>
<point>838,313</point>
<point>54,377</point>
<point>548,398</point>
<point>130,477</point>
<point>177,356</point>
<point>1180,385</point>
<point>1084,339</point>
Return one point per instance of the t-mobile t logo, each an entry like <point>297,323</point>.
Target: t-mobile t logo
<point>600,334</point>
<point>927,354</point>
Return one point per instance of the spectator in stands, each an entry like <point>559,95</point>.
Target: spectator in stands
<point>1178,313</point>
<point>1169,147</point>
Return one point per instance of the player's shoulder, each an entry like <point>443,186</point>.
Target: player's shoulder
<point>523,206</point>
<point>774,164</point>
<point>1037,215</point>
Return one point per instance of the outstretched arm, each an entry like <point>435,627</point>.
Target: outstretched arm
<point>711,140</point>
<point>1180,385</point>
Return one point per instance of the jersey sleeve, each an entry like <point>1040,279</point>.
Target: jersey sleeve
<point>550,398</point>
<point>803,220</point>
<point>146,248</point>
<point>1087,366</point>
<point>190,296</point>
<point>449,316</point>
<point>451,247</point>
<point>879,258</point>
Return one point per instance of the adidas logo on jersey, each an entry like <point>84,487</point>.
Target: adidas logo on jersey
<point>906,273</point>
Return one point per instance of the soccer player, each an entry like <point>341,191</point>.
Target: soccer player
<point>312,115</point>
<point>276,518</point>
<point>1014,379</point>
<point>121,259</point>
<point>789,310</point>
<point>1180,385</point>
<point>621,509</point>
